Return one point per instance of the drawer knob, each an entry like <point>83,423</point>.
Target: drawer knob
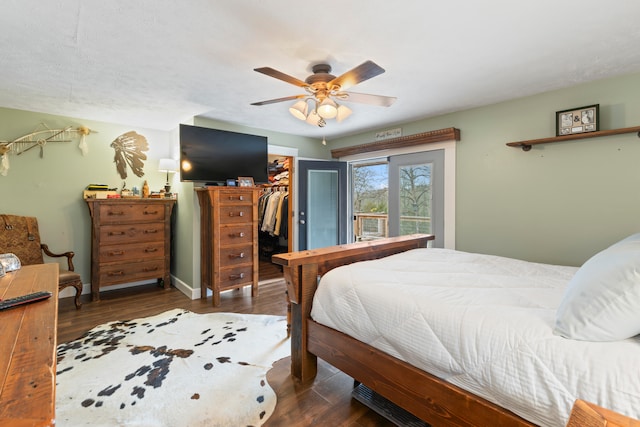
<point>115,213</point>
<point>241,213</point>
<point>151,213</point>
<point>116,233</point>
<point>241,198</point>
<point>146,269</point>
<point>236,276</point>
<point>240,255</point>
<point>152,231</point>
<point>240,234</point>
<point>151,250</point>
<point>116,273</point>
<point>114,253</point>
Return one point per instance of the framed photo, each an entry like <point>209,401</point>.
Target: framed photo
<point>231,183</point>
<point>245,181</point>
<point>578,120</point>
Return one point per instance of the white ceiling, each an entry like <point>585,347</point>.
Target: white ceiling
<point>155,63</point>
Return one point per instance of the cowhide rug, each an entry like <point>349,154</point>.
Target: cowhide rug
<point>175,369</point>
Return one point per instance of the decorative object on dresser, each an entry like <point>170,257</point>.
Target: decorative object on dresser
<point>176,368</point>
<point>20,235</point>
<point>229,239</point>
<point>168,166</point>
<point>130,241</point>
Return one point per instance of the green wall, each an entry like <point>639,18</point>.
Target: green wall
<point>50,188</point>
<point>558,203</point>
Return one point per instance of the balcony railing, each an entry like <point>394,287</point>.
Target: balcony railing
<point>371,226</point>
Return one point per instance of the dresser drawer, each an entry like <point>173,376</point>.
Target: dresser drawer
<point>132,251</point>
<point>236,234</point>
<point>122,212</point>
<point>236,255</point>
<point>234,277</point>
<point>236,214</point>
<point>236,197</point>
<point>133,233</point>
<point>131,272</point>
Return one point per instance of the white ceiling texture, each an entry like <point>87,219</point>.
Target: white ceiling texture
<point>155,63</point>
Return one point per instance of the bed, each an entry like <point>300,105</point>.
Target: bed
<point>443,376</point>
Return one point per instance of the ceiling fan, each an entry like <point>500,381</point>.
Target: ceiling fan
<point>324,90</point>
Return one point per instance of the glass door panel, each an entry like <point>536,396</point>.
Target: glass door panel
<point>416,194</point>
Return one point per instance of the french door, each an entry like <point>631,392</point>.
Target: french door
<point>399,195</point>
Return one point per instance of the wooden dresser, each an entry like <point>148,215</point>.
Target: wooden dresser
<point>130,241</point>
<point>28,348</point>
<point>229,239</point>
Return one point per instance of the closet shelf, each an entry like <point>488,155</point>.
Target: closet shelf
<point>526,145</point>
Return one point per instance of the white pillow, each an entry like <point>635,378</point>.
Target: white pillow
<point>602,300</point>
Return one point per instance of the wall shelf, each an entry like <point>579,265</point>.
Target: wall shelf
<point>526,145</point>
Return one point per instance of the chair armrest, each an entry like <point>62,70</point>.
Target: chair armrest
<point>69,255</point>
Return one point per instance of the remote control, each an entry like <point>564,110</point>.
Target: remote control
<point>24,299</point>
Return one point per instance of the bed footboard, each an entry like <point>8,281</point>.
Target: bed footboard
<point>301,272</point>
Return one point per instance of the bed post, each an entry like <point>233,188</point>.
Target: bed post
<point>301,282</point>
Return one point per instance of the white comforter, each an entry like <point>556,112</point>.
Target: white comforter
<point>485,324</point>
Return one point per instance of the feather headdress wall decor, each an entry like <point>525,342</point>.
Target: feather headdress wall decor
<point>41,136</point>
<point>130,148</point>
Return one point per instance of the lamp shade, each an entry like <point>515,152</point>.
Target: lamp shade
<point>299,109</point>
<point>168,165</point>
<point>327,109</point>
<point>343,113</point>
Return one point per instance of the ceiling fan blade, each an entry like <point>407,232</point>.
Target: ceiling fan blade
<point>281,76</point>
<point>363,98</point>
<point>362,72</point>
<point>273,101</point>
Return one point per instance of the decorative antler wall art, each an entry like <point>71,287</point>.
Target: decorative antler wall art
<point>129,148</point>
<point>40,137</point>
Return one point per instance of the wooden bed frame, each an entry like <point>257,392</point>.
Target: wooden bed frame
<point>424,395</point>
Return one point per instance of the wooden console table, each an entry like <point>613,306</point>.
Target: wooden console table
<point>28,343</point>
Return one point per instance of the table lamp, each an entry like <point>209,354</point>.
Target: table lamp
<point>168,166</point>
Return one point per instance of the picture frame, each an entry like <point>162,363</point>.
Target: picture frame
<point>231,182</point>
<point>578,120</point>
<point>245,181</point>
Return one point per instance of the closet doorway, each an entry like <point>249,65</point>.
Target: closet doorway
<point>275,211</point>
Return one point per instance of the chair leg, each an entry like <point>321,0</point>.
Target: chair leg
<point>78,287</point>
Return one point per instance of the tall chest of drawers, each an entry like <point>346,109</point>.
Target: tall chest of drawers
<point>130,241</point>
<point>229,239</point>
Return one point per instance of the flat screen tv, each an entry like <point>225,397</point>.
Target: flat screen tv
<point>213,156</point>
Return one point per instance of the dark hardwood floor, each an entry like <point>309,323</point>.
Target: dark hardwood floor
<point>324,402</point>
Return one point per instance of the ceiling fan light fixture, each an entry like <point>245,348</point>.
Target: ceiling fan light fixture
<point>328,109</point>
<point>323,90</point>
<point>299,110</point>
<point>343,113</point>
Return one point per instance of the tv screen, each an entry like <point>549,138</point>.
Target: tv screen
<point>213,156</point>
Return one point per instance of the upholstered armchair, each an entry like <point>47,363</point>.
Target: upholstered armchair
<point>20,235</point>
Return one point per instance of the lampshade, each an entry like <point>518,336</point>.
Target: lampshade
<point>299,109</point>
<point>315,120</point>
<point>168,165</point>
<point>327,109</point>
<point>343,113</point>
